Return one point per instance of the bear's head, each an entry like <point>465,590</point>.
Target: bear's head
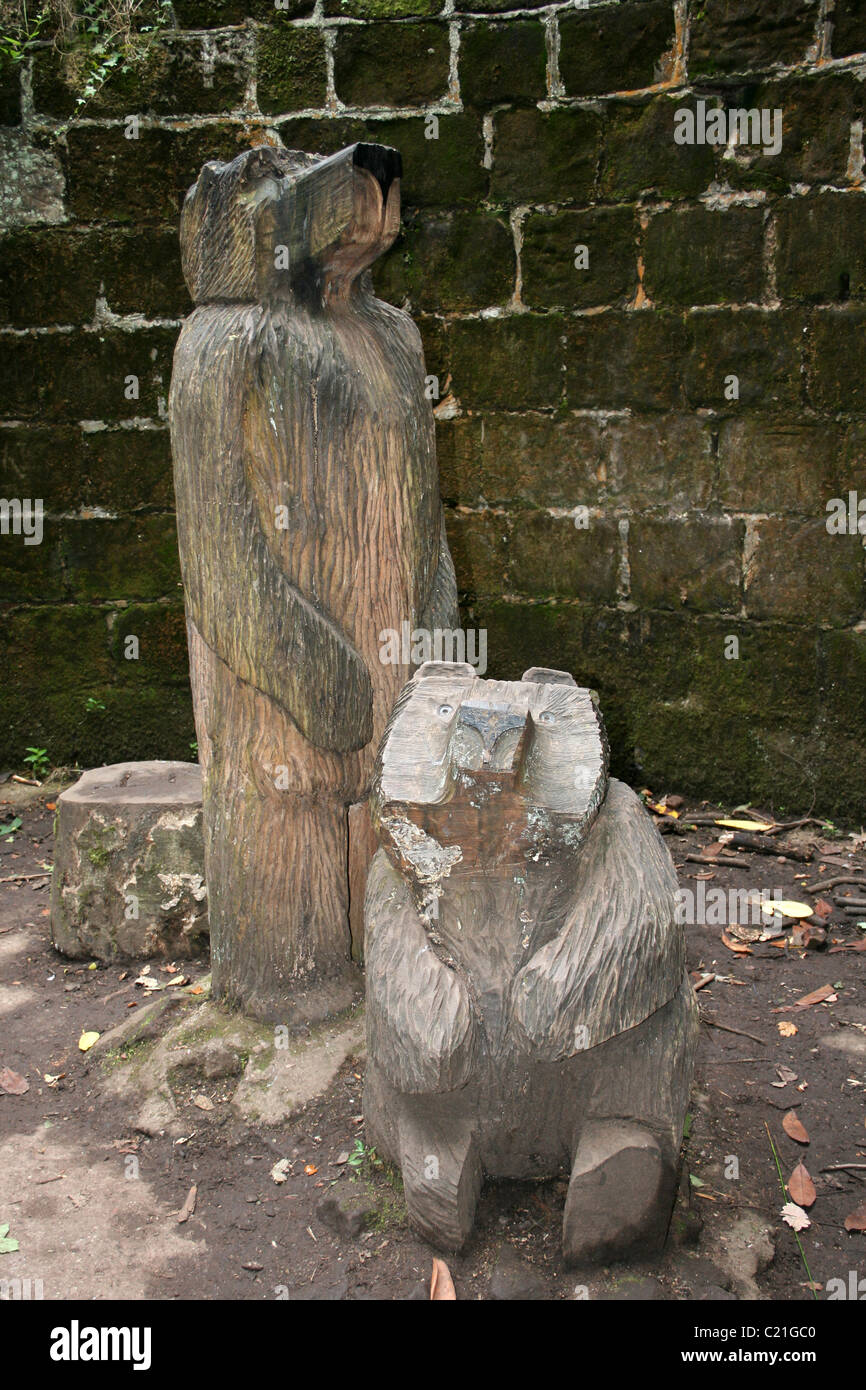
<point>503,772</point>
<point>278,224</point>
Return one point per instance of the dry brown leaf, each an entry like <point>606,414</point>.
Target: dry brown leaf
<point>738,947</point>
<point>794,1128</point>
<point>801,1188</point>
<point>823,908</point>
<point>441,1283</point>
<point>817,996</point>
<point>12,1083</point>
<point>856,1221</point>
<point>787,1029</point>
<point>188,1207</point>
<point>310,1169</point>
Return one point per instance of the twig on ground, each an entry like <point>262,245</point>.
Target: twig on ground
<point>726,1028</point>
<point>825,883</point>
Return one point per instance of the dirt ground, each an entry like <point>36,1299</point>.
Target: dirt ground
<point>93,1204</point>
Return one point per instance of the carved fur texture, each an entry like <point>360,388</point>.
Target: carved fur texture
<point>526,983</point>
<point>309,521</point>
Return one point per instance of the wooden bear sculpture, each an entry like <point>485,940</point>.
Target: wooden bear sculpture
<point>309,521</point>
<point>528,1009</point>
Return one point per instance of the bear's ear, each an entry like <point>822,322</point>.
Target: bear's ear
<point>545,675</point>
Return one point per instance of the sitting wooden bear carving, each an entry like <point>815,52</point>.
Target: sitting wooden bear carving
<point>527,1003</point>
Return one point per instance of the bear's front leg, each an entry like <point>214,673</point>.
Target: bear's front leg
<point>624,1170</point>
<point>441,1172</point>
<point>421,1051</point>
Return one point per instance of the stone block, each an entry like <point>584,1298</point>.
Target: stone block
<point>704,256</point>
<point>641,155</point>
<point>580,259</point>
<point>797,571</point>
<point>535,152</point>
<point>620,359</point>
<point>291,72</point>
<point>821,247</point>
<point>686,562</point>
<point>745,35</point>
<point>549,556</point>
<point>449,260</point>
<point>512,363</point>
<point>502,62</point>
<point>834,348</point>
<point>615,48</point>
<point>761,349</point>
<point>402,64</point>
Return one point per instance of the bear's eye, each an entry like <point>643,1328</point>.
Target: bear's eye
<point>445,710</point>
<point>546,717</point>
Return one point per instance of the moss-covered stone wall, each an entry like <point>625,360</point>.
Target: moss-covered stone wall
<point>650,357</point>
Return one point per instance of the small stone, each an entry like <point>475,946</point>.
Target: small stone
<point>513,1280</point>
<point>346,1210</point>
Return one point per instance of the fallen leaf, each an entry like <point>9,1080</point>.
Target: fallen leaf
<point>51,805</point>
<point>785,1074</point>
<point>8,1244</point>
<point>188,1207</point>
<point>787,1029</point>
<point>12,1083</point>
<point>758,826</point>
<point>310,1169</point>
<point>743,933</point>
<point>738,947</point>
<point>441,1283</point>
<point>786,908</point>
<point>197,989</point>
<point>816,997</point>
<point>823,908</point>
<point>794,1128</point>
<point>856,1221</point>
<point>203,1102</point>
<point>826,994</point>
<point>801,1188</point>
<point>795,1216</point>
<point>86,1041</point>
<point>279,1170</point>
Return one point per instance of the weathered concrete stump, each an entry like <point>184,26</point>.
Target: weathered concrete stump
<point>528,1011</point>
<point>129,864</point>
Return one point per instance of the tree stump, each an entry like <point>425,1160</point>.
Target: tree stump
<point>309,523</point>
<point>128,878</point>
<point>528,1010</point>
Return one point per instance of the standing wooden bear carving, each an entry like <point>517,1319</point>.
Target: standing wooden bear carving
<point>528,1010</point>
<point>309,521</point>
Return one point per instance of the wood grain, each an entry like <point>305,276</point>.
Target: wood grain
<point>309,521</point>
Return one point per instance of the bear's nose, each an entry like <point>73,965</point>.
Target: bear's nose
<point>489,737</point>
